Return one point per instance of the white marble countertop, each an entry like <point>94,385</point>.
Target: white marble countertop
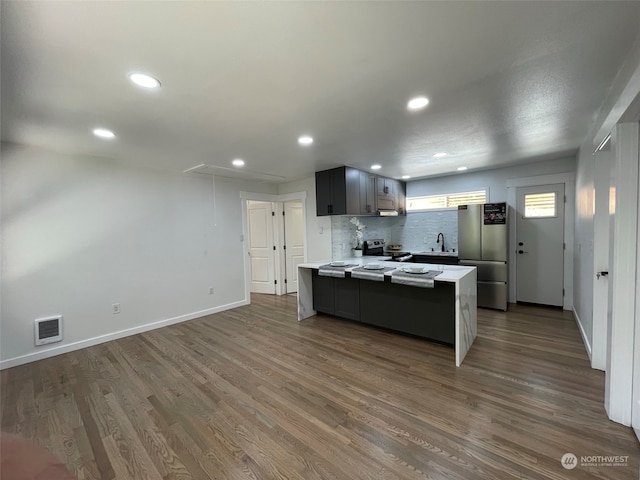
<point>463,278</point>
<point>450,273</point>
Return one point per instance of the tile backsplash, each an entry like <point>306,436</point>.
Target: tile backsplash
<point>417,232</point>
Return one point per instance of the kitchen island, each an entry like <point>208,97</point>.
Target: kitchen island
<point>446,313</point>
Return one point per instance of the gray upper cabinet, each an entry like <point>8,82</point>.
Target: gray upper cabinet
<point>324,192</point>
<point>338,191</point>
<point>385,186</point>
<point>348,191</point>
<point>401,197</point>
<point>367,193</point>
<point>386,198</point>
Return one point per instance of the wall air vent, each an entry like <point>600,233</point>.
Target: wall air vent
<point>48,330</point>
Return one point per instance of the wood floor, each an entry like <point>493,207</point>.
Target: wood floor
<point>252,393</point>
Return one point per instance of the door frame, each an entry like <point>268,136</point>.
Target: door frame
<point>283,232</point>
<point>279,240</point>
<point>569,180</point>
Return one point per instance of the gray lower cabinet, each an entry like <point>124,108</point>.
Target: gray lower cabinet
<point>424,312</point>
<point>323,293</point>
<point>336,296</point>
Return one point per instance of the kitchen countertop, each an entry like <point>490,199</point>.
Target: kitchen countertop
<point>463,277</point>
<point>450,273</point>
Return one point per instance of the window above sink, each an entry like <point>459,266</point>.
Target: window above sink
<point>447,200</point>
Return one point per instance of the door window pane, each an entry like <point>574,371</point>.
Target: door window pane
<point>539,205</point>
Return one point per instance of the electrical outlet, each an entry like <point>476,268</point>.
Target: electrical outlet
<point>210,290</point>
<point>116,308</point>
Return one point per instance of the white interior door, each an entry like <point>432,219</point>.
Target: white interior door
<point>261,247</point>
<point>540,244</point>
<point>635,395</point>
<point>602,231</point>
<point>623,310</point>
<point>294,242</point>
<point>609,306</point>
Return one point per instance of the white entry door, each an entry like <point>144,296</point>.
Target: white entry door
<point>540,244</point>
<point>261,247</point>
<point>294,242</point>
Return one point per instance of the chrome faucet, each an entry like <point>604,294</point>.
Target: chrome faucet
<point>438,240</point>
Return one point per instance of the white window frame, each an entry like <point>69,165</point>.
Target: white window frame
<point>409,199</point>
<point>556,206</point>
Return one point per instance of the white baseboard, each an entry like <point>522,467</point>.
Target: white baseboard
<point>51,352</point>
<point>585,340</point>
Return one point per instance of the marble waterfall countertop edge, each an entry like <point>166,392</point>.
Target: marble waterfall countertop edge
<point>450,273</point>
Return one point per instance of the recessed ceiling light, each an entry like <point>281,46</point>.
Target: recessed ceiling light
<point>305,140</point>
<point>376,167</point>
<point>404,177</point>
<point>144,80</point>
<point>103,133</point>
<point>238,162</point>
<point>417,103</point>
<point>461,169</point>
<point>441,154</point>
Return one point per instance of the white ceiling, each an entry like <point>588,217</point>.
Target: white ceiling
<point>508,81</point>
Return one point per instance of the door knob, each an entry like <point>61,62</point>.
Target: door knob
<point>602,274</point>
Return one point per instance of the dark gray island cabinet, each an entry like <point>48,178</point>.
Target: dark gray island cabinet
<point>424,312</point>
<point>446,313</point>
<point>337,296</point>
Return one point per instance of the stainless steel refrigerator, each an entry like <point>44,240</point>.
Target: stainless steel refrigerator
<point>483,238</point>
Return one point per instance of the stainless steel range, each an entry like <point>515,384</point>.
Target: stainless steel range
<point>373,247</point>
<point>376,248</point>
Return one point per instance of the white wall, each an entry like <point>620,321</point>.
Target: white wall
<point>495,180</point>
<point>318,228</point>
<point>621,95</point>
<point>583,243</point>
<point>501,184</point>
<point>621,106</point>
<point>418,230</point>
<point>82,233</point>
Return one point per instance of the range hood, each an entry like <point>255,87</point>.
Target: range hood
<point>387,213</point>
